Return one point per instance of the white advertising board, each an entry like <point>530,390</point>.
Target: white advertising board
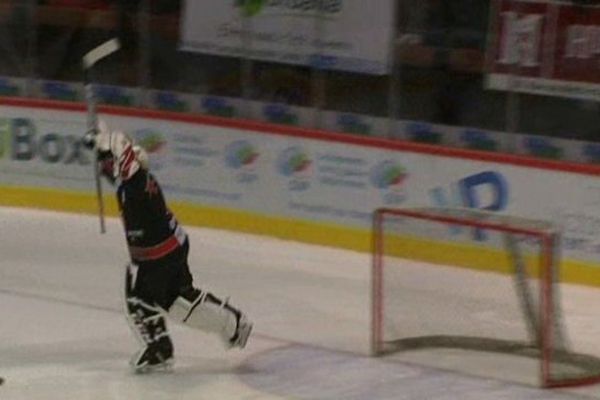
<point>332,34</point>
<point>299,177</point>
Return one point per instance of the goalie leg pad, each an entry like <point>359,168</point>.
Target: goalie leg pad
<point>203,310</point>
<point>148,325</point>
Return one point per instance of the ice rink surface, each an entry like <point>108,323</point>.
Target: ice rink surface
<point>63,335</point>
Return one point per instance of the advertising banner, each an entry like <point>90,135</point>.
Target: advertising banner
<point>298,178</point>
<point>328,34</point>
<point>549,48</point>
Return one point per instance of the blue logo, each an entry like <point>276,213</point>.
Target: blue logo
<point>478,140</point>
<point>114,95</point>
<point>217,106</point>
<point>59,91</point>
<point>170,101</point>
<point>352,123</point>
<point>471,191</point>
<point>542,147</point>
<point>423,133</point>
<point>280,114</point>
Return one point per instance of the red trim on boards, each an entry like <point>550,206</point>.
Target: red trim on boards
<point>273,129</point>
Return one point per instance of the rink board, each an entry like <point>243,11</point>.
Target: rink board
<point>293,183</point>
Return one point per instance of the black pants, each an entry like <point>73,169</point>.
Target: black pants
<point>160,282</point>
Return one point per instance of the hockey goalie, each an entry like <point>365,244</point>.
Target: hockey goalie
<point>158,282</point>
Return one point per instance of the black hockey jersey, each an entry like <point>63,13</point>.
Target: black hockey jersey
<point>151,229</point>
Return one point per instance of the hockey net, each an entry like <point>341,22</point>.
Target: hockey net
<point>475,291</point>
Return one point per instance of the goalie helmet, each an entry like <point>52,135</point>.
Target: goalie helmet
<point>116,154</point>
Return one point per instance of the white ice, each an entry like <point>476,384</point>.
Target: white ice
<point>63,335</point>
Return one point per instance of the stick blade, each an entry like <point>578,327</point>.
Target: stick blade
<point>98,53</point>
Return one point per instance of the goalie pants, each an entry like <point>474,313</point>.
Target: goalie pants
<point>160,282</point>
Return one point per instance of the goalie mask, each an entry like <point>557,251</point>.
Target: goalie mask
<point>116,154</point>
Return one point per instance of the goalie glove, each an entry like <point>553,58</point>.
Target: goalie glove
<point>89,140</point>
<point>116,153</point>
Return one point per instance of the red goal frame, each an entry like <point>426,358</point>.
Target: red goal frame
<point>547,239</point>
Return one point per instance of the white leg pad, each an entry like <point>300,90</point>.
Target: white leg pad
<point>206,314</point>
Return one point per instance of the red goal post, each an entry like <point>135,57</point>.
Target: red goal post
<point>454,281</point>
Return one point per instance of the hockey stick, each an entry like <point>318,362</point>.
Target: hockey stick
<point>89,60</point>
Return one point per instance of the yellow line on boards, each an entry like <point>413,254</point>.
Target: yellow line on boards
<point>196,215</point>
<point>466,256</point>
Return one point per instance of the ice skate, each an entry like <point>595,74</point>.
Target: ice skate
<point>153,358</point>
<point>242,332</point>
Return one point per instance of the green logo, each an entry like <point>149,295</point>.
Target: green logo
<point>250,8</point>
<point>4,137</point>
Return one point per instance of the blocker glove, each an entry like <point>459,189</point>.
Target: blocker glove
<point>89,139</point>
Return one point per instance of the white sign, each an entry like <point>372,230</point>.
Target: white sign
<point>330,34</point>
